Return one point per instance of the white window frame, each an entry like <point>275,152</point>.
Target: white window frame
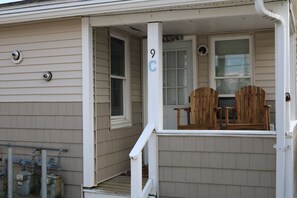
<point>125,119</point>
<point>212,77</point>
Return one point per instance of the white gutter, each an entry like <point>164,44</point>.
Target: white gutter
<point>261,10</point>
<point>16,14</point>
<point>281,106</point>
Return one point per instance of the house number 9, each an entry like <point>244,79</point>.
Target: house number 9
<point>153,52</point>
<point>152,63</point>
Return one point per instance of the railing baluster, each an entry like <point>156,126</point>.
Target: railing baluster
<point>153,161</point>
<point>136,164</point>
<point>136,177</point>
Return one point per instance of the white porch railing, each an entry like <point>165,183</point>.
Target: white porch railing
<point>136,165</point>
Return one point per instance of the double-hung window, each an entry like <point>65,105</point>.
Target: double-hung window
<point>231,61</point>
<point>119,82</point>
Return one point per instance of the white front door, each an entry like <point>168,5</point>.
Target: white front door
<point>177,80</point>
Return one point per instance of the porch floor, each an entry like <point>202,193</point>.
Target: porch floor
<point>118,186</point>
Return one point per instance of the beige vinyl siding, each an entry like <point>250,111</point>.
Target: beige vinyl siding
<point>225,167</point>
<point>53,125</point>
<point>203,64</point>
<point>113,146</point>
<point>46,46</point>
<point>265,62</point>
<point>264,56</point>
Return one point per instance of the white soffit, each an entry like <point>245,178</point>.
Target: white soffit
<point>205,26</point>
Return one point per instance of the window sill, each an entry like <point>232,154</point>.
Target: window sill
<point>120,123</point>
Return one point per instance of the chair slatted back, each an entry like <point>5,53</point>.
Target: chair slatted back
<point>202,102</point>
<point>250,101</point>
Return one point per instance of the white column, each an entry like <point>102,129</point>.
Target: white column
<point>155,66</point>
<point>88,104</point>
<point>293,108</point>
<point>282,107</point>
<point>155,95</point>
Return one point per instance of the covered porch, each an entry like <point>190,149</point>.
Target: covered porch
<point>192,163</point>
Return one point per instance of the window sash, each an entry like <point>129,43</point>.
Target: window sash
<point>117,97</point>
<point>237,56</point>
<point>123,119</point>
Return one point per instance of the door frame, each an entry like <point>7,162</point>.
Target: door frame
<point>169,104</point>
<point>193,40</point>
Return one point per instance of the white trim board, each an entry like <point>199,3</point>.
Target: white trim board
<point>253,133</point>
<point>34,12</point>
<point>88,105</point>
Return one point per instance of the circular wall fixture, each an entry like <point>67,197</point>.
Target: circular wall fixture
<point>202,50</point>
<point>47,75</point>
<point>16,56</point>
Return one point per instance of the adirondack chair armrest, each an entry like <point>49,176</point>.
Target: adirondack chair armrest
<point>227,114</point>
<point>183,108</point>
<point>187,109</point>
<point>230,108</point>
<point>267,116</point>
<point>218,110</point>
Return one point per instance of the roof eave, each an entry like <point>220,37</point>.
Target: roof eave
<point>94,7</point>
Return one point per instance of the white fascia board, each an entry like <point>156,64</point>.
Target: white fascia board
<point>94,7</point>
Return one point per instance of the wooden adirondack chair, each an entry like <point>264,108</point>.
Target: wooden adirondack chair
<point>251,112</point>
<point>202,113</point>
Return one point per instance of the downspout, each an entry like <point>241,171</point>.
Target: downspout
<point>261,10</point>
<point>281,118</point>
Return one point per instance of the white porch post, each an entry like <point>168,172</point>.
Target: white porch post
<point>88,104</point>
<point>283,161</point>
<point>155,98</point>
<point>293,114</point>
<point>282,107</point>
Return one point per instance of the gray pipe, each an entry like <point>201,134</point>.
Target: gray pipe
<point>10,173</point>
<point>35,147</point>
<point>43,174</point>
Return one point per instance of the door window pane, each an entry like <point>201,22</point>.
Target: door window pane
<point>171,96</point>
<point>171,59</point>
<point>181,96</point>
<point>181,59</point>
<point>171,78</point>
<point>181,77</point>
